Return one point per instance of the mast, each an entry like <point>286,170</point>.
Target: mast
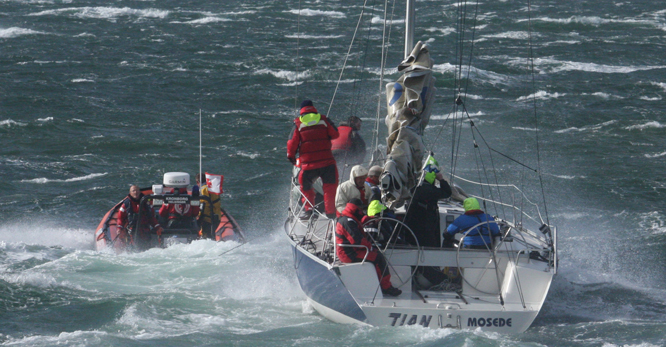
<point>409,28</point>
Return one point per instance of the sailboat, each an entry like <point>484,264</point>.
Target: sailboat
<point>501,287</point>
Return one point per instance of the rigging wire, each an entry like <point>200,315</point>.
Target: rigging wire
<point>534,103</point>
<point>298,47</point>
<point>344,64</point>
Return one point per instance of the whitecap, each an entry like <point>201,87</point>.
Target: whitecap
<point>586,128</point>
<point>8,123</point>
<point>444,31</point>
<point>591,20</point>
<point>313,37</point>
<point>658,155</point>
<point>518,35</point>
<point>541,95</point>
<point>312,13</point>
<point>102,12</point>
<point>82,80</point>
<point>456,115</point>
<point>380,20</point>
<point>647,98</point>
<point>648,125</point>
<point>13,32</point>
<point>47,119</point>
<point>43,180</point>
<point>205,20</point>
<point>556,66</point>
<point>525,129</point>
<point>285,74</point>
<point>660,85</point>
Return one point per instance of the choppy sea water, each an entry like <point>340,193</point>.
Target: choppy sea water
<point>95,96</point>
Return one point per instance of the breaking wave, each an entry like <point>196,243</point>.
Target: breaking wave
<point>16,32</point>
<point>648,125</point>
<point>43,180</point>
<point>312,13</point>
<point>104,12</point>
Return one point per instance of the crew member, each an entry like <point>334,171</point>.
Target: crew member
<point>353,188</point>
<point>423,213</point>
<point>128,215</point>
<point>349,148</point>
<point>311,139</point>
<point>349,231</point>
<point>480,236</point>
<point>180,216</point>
<point>209,210</point>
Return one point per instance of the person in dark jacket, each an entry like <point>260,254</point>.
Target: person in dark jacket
<point>349,148</point>
<point>423,213</point>
<point>349,231</point>
<point>311,139</point>
<point>128,216</point>
<point>481,236</point>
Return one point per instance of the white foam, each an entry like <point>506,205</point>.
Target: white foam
<point>591,20</point>
<point>44,180</point>
<point>648,125</point>
<point>586,128</point>
<point>285,74</point>
<point>380,20</point>
<point>658,155</point>
<point>556,66</point>
<point>517,35</point>
<point>102,12</point>
<point>312,13</point>
<point>445,31</point>
<point>8,123</point>
<point>647,98</point>
<point>205,20</point>
<point>525,129</point>
<point>661,85</point>
<point>44,120</point>
<point>541,95</point>
<point>82,80</point>
<point>313,37</point>
<point>13,32</point>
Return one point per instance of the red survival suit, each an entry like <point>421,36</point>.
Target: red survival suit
<point>348,231</point>
<point>128,214</point>
<point>179,215</point>
<point>311,138</point>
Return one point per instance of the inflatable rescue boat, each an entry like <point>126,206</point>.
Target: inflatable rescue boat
<point>134,237</point>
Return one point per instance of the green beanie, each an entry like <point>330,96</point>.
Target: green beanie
<point>471,204</point>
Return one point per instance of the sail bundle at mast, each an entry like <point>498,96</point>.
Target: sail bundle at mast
<point>409,104</point>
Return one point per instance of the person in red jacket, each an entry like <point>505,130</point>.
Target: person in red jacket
<point>311,139</point>
<point>349,231</point>
<point>349,148</point>
<point>180,216</point>
<point>128,215</point>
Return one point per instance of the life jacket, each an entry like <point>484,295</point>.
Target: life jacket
<point>128,215</point>
<point>214,201</point>
<point>315,133</point>
<point>344,141</point>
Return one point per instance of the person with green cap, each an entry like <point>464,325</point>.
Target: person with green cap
<point>423,213</point>
<point>484,226</point>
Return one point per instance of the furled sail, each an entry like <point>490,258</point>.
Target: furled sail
<point>409,101</point>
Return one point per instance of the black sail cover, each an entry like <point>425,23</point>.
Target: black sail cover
<point>409,102</point>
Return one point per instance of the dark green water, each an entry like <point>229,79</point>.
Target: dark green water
<point>95,96</point>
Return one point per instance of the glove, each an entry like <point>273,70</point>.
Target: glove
<point>292,160</point>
